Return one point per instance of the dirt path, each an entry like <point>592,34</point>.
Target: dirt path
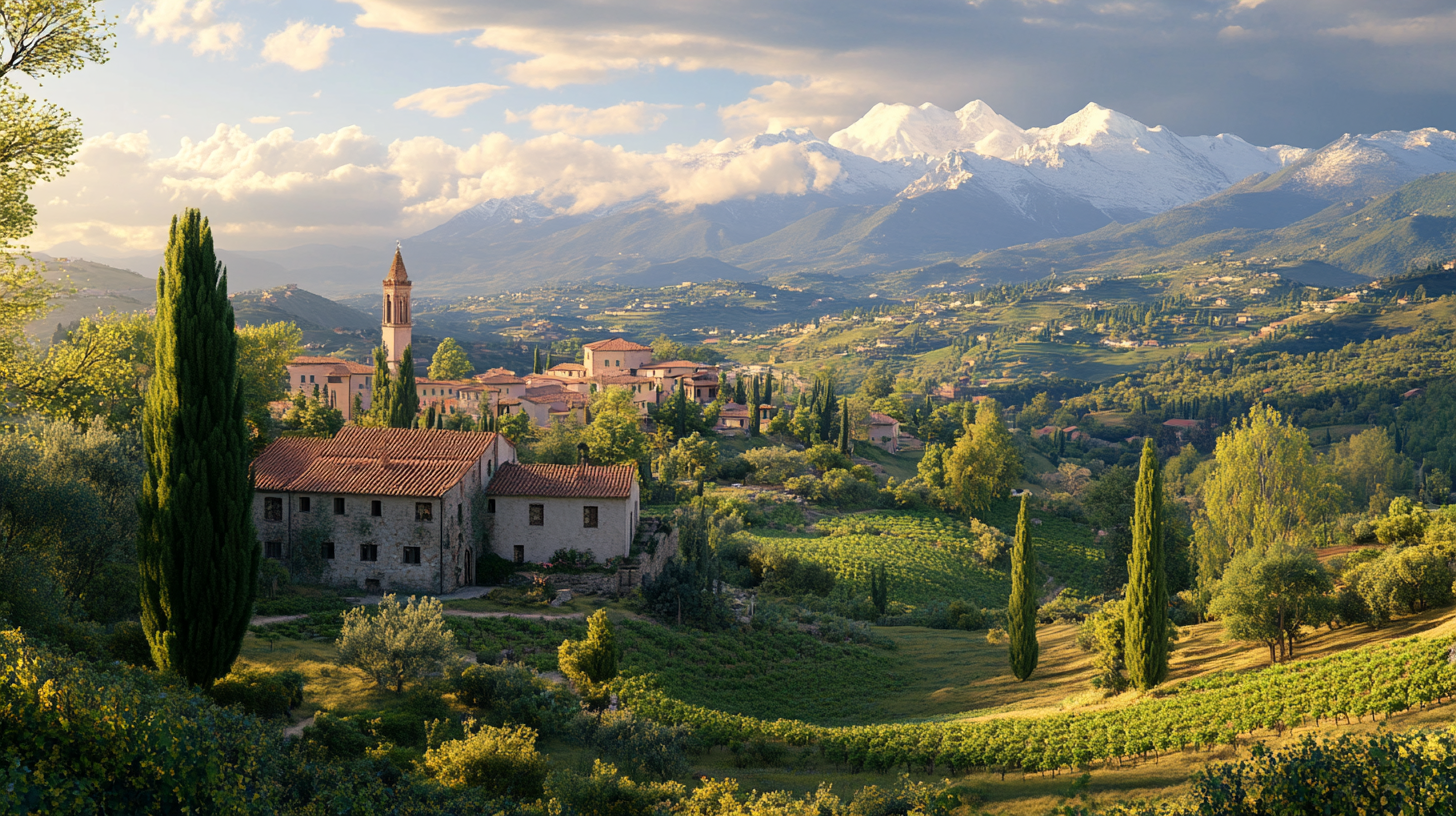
<point>531,616</point>
<point>269,620</point>
<point>296,730</point>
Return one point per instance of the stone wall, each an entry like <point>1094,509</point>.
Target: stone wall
<point>627,578</point>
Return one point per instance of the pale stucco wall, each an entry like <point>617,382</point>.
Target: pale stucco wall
<point>616,526</point>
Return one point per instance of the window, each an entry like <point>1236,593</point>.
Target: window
<point>490,505</point>
<point>424,511</point>
<point>310,378</point>
<point>376,508</point>
<point>460,513</point>
<point>327,550</point>
<point>412,555</point>
<point>273,549</point>
<point>520,553</point>
<point>489,469</point>
<point>588,517</point>
<point>338,505</point>
<point>538,515</point>
<point>272,509</point>
<point>305,504</point>
<point>368,552</point>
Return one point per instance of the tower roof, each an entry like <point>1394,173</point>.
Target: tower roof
<point>396,269</point>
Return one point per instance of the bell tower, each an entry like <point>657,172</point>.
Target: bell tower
<point>397,326</point>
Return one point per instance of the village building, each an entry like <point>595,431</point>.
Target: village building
<point>536,510</point>
<point>382,509</point>
<point>884,432</point>
<point>337,382</point>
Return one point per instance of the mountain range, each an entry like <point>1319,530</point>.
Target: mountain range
<point>908,187</point>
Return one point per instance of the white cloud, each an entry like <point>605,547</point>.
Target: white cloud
<point>281,190</point>
<point>449,101</point>
<point>194,21</point>
<point>628,117</point>
<point>302,45</point>
<point>263,120</point>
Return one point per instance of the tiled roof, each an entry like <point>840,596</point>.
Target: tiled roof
<point>622,379</point>
<point>499,379</point>
<point>567,367</point>
<point>617,344</point>
<point>733,409</point>
<point>357,368</point>
<point>372,461</point>
<point>285,460</point>
<point>877,418</point>
<point>671,364</point>
<point>316,361</point>
<point>564,481</point>
<point>396,269</point>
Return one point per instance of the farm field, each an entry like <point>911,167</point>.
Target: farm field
<point>928,555</point>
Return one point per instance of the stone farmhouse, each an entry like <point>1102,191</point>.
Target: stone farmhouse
<point>404,509</point>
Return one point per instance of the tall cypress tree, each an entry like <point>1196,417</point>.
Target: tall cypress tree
<point>1146,608</point>
<point>404,397</point>
<point>768,388</point>
<point>379,406</point>
<point>1021,616</point>
<point>753,420</point>
<point>680,410</point>
<point>536,360</point>
<point>197,550</point>
<point>844,429</point>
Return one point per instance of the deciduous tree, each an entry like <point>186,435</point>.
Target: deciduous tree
<point>450,362</point>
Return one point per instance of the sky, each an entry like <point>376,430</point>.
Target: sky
<point>365,121</point>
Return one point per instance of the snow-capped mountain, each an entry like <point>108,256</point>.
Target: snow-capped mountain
<point>909,185</point>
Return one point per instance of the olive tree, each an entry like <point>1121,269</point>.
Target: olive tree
<point>398,643</point>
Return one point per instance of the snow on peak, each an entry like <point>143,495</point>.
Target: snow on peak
<point>1093,125</point>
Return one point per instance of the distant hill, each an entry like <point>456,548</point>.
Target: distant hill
<point>99,289</point>
<point>327,326</point>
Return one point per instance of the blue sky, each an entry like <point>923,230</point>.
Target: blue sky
<point>362,120</point>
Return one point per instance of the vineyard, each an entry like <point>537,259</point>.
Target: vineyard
<point>930,556</point>
<point>1201,714</point>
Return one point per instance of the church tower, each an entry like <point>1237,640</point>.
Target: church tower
<point>397,325</point>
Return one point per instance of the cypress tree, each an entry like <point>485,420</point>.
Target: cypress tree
<point>1146,607</point>
<point>430,417</point>
<point>844,430</point>
<point>379,394</point>
<point>680,410</point>
<point>404,397</point>
<point>753,421</point>
<point>768,388</point>
<point>740,394</point>
<point>536,360</point>
<point>197,551</point>
<point>1021,616</point>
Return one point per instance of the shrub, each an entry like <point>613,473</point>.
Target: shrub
<point>783,574</point>
<point>734,468</point>
<point>961,615</point>
<point>757,753</point>
<point>269,694</point>
<point>128,643</point>
<point>1067,607</point>
<point>405,724</point>
<point>398,643</point>
<point>606,793</point>
<point>338,737</point>
<point>503,761</point>
<point>491,569</point>
<point>589,664</point>
<point>518,696</point>
<point>643,746</point>
<point>996,636</point>
<point>774,465</point>
<point>572,559</point>
<point>825,457</point>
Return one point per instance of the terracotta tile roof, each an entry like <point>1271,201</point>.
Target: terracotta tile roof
<point>396,269</point>
<point>285,460</point>
<point>617,344</point>
<point>877,418</point>
<point>567,367</point>
<point>317,361</point>
<point>508,401</point>
<point>499,379</point>
<point>672,364</point>
<point>564,481</point>
<point>621,379</point>
<point>357,368</point>
<point>372,461</point>
<point>733,409</point>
